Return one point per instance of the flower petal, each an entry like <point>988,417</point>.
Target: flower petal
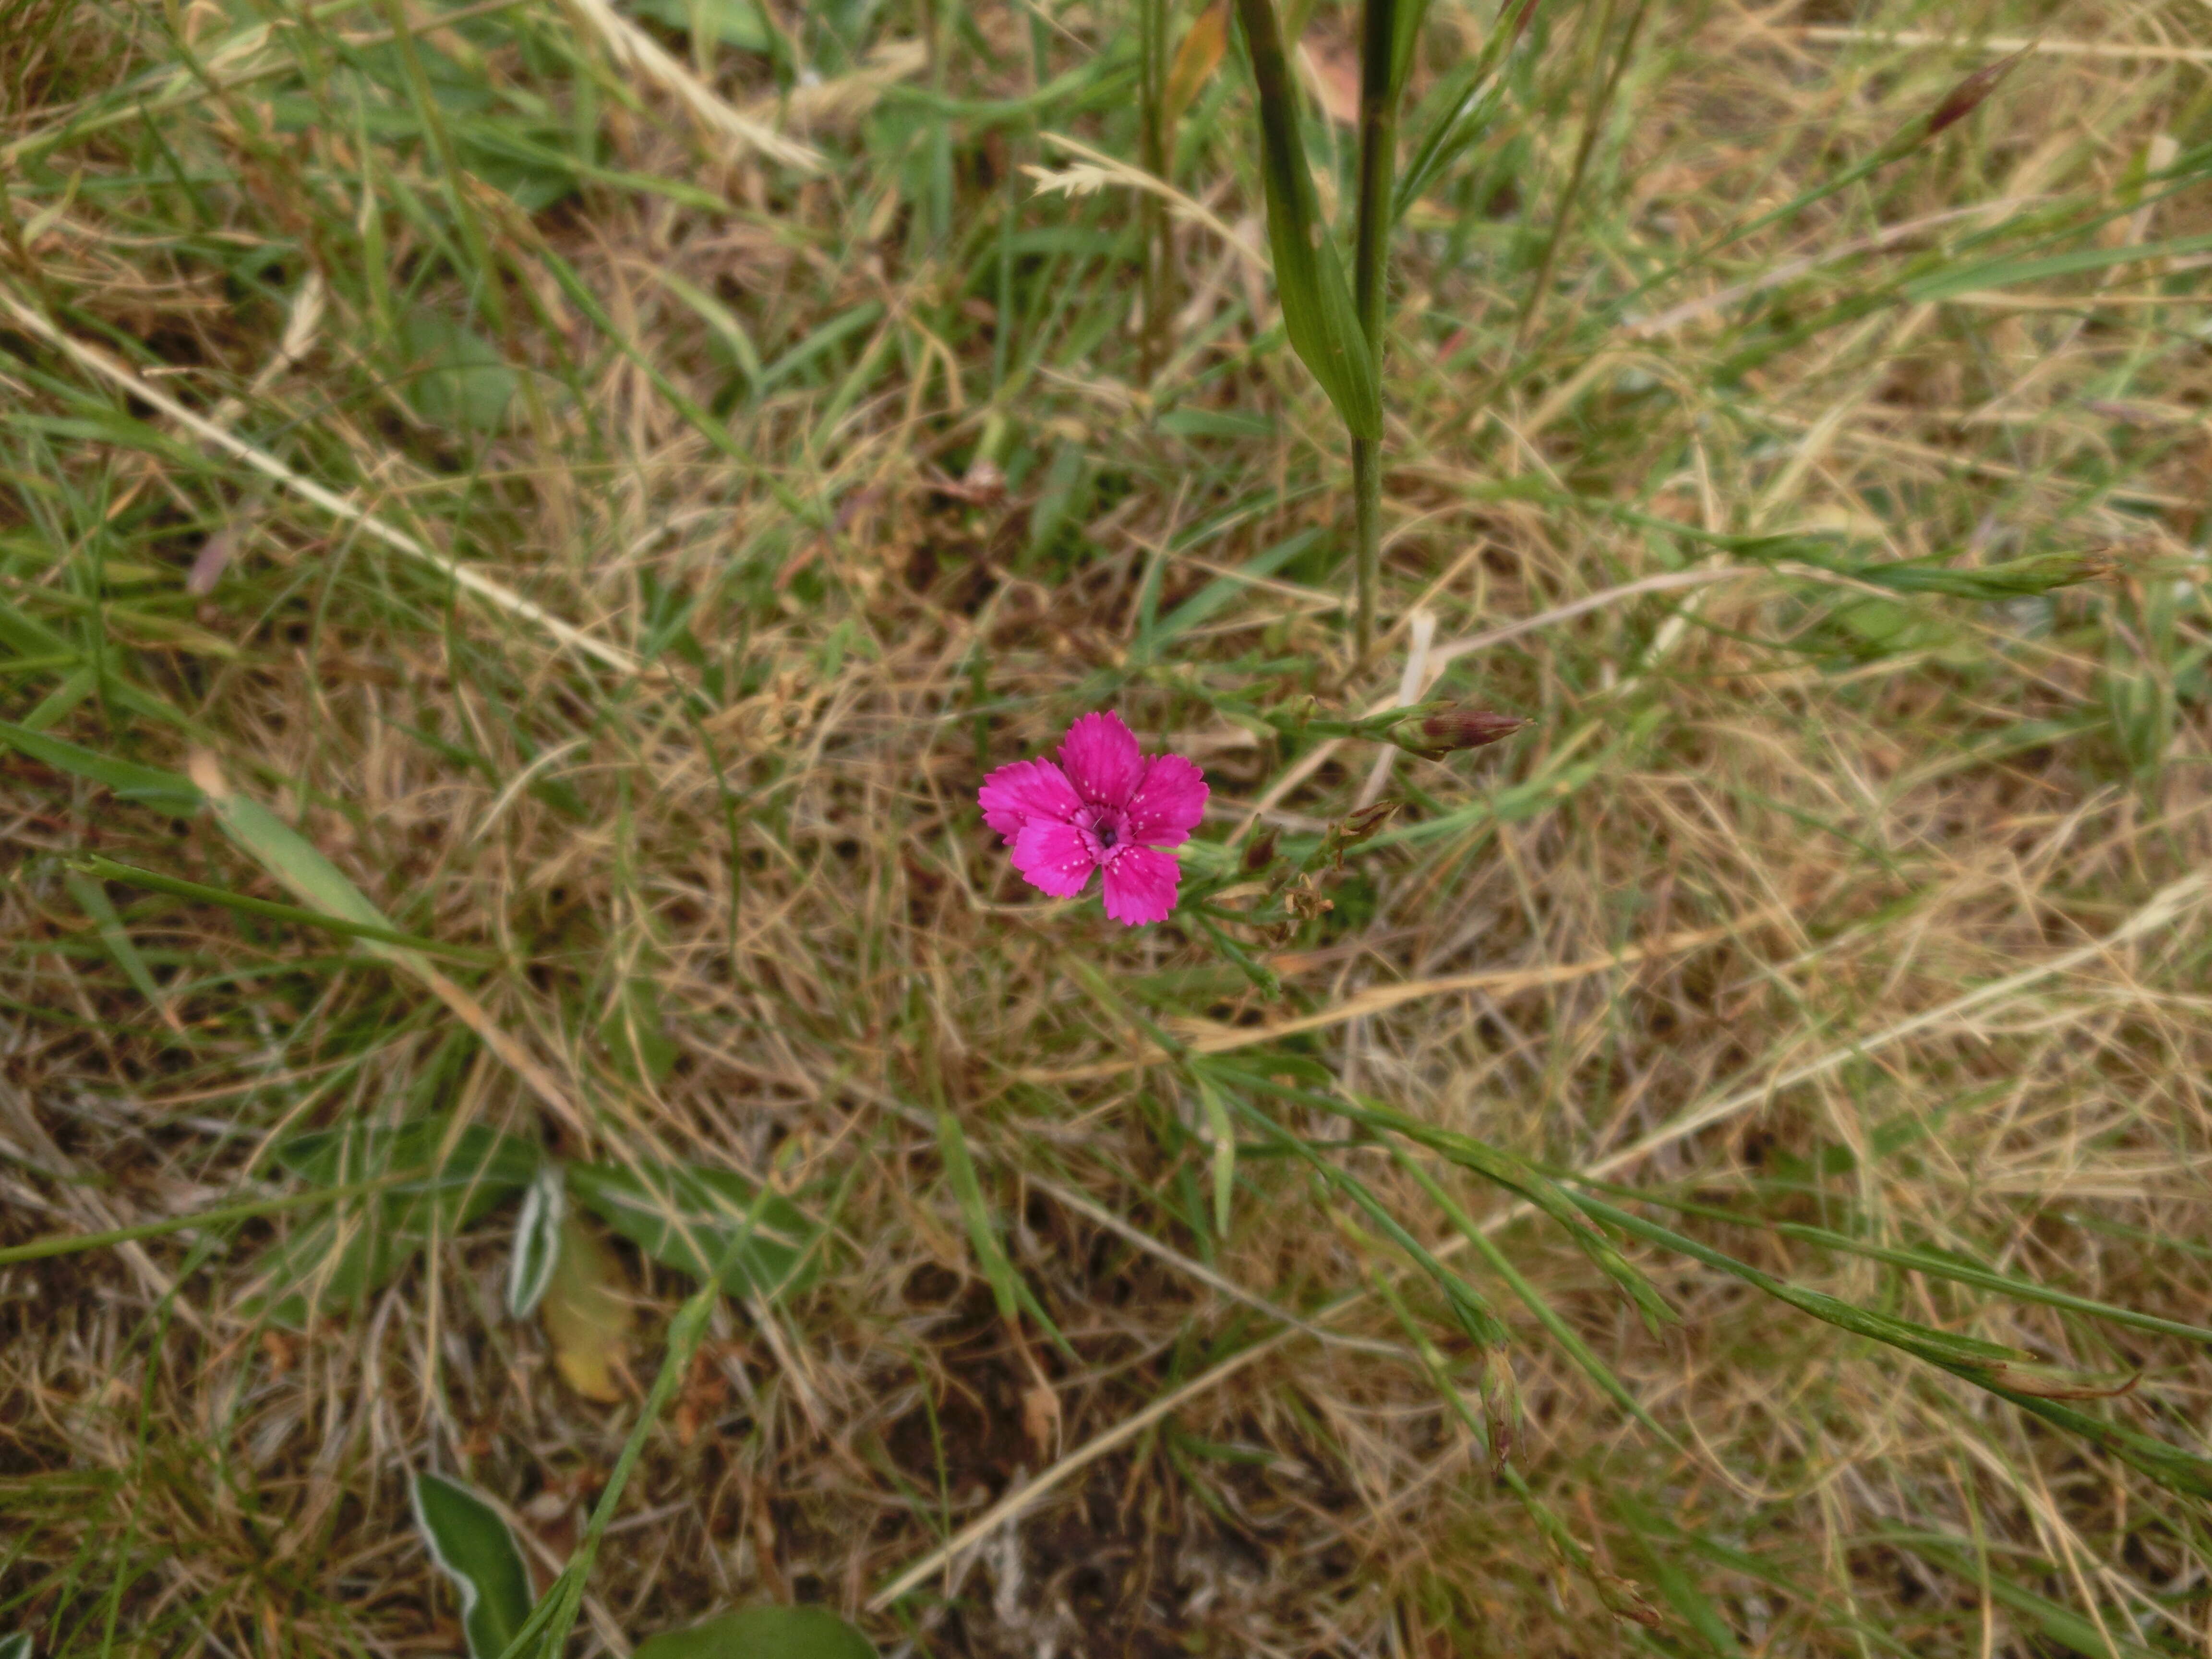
<point>1028,789</point>
<point>1101,756</point>
<point>1168,803</point>
<point>1141,886</point>
<point>1052,857</point>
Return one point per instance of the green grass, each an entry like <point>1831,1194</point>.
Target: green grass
<point>508,590</point>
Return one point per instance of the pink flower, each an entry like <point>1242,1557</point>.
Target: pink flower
<point>1103,807</point>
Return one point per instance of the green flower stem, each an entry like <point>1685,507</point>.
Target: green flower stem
<point>1378,156</point>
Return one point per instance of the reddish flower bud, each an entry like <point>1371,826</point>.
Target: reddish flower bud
<point>1463,728</point>
<point>1967,95</point>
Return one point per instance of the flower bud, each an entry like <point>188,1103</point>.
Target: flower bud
<point>1262,852</point>
<point>1966,97</point>
<point>1452,729</point>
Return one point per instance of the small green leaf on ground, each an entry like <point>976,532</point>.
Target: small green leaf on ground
<point>763,1633</point>
<point>455,378</point>
<point>441,1182</point>
<point>473,1548</point>
<point>702,1221</point>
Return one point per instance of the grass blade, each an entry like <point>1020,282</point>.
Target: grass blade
<point>1318,313</point>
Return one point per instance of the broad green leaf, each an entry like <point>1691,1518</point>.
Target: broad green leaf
<point>763,1633</point>
<point>455,378</point>
<point>702,1221</point>
<point>331,1263</point>
<point>1318,314</point>
<point>536,1241</point>
<point>17,1646</point>
<point>472,1547</point>
<point>586,1312</point>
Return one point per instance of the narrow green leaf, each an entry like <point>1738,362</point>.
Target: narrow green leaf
<point>472,1547</point>
<point>444,1182</point>
<point>108,869</point>
<point>2058,1622</point>
<point>709,1224</point>
<point>763,1633</point>
<point>1546,1316</point>
<point>1469,1308</point>
<point>1201,606</point>
<point>17,1646</point>
<point>1518,1176</point>
<point>1944,1348</point>
<point>92,898</point>
<point>1318,314</point>
<point>1681,1592</point>
<point>1936,1264</point>
<point>1461,108</point>
<point>126,779</point>
<point>1008,1288</point>
<point>723,321</point>
<point>2010,272</point>
<point>295,860</point>
<point>990,1255</point>
<point>1986,1365</point>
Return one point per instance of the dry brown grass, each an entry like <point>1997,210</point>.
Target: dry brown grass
<point>1859,811</point>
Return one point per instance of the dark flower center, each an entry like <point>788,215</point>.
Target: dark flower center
<point>1105,830</point>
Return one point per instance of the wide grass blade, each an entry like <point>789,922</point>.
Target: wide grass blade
<point>1318,313</point>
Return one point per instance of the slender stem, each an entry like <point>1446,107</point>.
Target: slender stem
<point>1378,158</point>
<point>1152,30</point>
<point>1367,523</point>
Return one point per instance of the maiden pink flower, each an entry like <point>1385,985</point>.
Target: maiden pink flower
<point>1102,807</point>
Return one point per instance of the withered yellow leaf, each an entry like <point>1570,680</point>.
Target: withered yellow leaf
<point>1195,60</point>
<point>586,1312</point>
